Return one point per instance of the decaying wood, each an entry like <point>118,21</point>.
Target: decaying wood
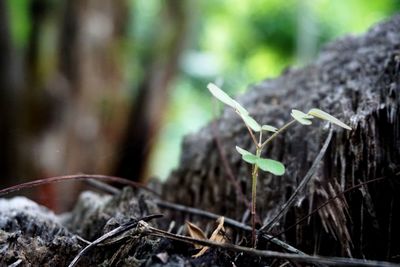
<point>35,236</point>
<point>357,79</point>
<point>31,235</point>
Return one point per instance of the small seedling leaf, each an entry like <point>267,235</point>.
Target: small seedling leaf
<point>221,95</point>
<point>325,116</point>
<point>269,128</point>
<point>251,122</point>
<point>243,151</point>
<point>301,117</point>
<point>246,155</point>
<point>301,114</point>
<point>240,109</point>
<point>272,166</point>
<point>250,158</point>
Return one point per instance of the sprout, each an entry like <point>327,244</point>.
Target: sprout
<point>267,165</point>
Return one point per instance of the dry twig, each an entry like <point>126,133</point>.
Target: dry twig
<point>112,234</point>
<point>55,179</point>
<point>267,227</point>
<point>333,261</point>
<point>202,213</point>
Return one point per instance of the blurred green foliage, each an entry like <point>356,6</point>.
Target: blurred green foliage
<point>239,42</point>
<point>19,21</point>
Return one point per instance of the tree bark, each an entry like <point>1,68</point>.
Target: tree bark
<point>7,99</point>
<point>356,79</point>
<point>147,112</point>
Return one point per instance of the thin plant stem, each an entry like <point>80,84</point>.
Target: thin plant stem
<point>252,135</point>
<point>284,127</point>
<point>254,198</point>
<point>259,146</point>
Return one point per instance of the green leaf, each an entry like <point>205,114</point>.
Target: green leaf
<point>225,98</point>
<point>325,116</point>
<point>247,156</point>
<point>243,151</point>
<point>301,114</point>
<point>240,109</point>
<point>272,166</point>
<point>269,128</point>
<point>221,95</point>
<point>301,117</point>
<point>250,158</point>
<point>251,122</point>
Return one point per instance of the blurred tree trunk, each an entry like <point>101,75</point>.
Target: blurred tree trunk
<point>73,106</point>
<point>7,99</point>
<point>148,109</point>
<point>91,63</point>
<point>90,84</point>
<point>36,108</point>
<point>73,101</point>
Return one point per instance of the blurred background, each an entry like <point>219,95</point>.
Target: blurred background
<point>111,86</point>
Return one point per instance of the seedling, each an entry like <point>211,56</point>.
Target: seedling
<point>253,127</point>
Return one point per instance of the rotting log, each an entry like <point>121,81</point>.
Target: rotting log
<point>357,79</point>
<point>32,235</point>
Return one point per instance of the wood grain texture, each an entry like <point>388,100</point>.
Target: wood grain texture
<point>357,79</point>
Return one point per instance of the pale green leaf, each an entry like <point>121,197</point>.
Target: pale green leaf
<point>301,114</point>
<point>250,158</point>
<point>221,95</point>
<point>240,109</point>
<point>251,122</point>
<point>325,116</point>
<point>243,151</point>
<point>269,128</point>
<point>272,166</point>
<point>301,117</point>
<point>246,155</point>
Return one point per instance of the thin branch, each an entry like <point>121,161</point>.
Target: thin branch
<point>252,135</point>
<point>205,214</point>
<point>340,194</point>
<point>305,180</point>
<point>113,233</point>
<point>202,213</point>
<point>74,177</point>
<point>278,132</point>
<point>228,221</point>
<point>103,186</point>
<point>333,261</point>
<point>16,263</point>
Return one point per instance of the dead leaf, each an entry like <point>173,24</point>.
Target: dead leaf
<point>196,232</point>
<point>217,236</point>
